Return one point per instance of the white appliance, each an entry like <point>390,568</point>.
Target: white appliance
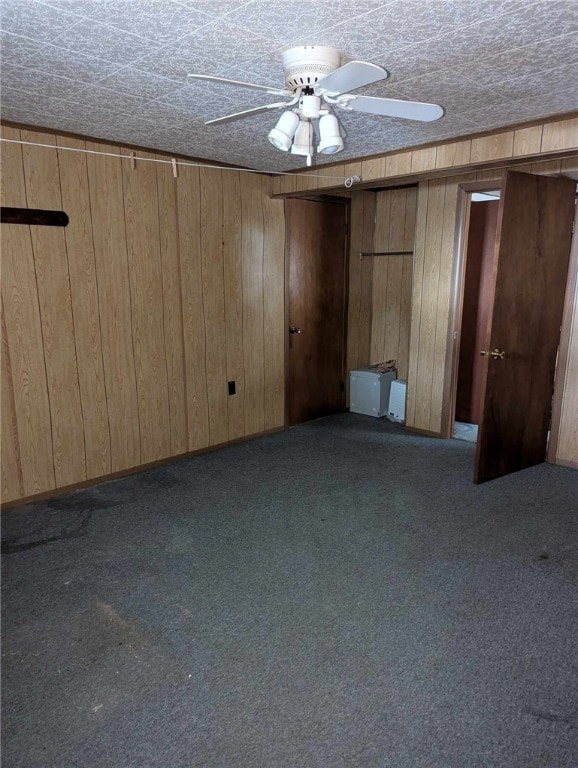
<point>369,391</point>
<point>397,395</point>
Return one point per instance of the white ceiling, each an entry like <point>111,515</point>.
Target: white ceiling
<point>117,69</point>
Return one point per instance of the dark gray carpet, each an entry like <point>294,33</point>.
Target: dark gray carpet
<point>337,595</point>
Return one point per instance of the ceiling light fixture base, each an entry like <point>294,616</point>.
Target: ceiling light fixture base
<point>306,64</point>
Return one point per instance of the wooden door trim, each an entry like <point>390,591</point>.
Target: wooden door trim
<point>564,349</point>
<point>457,296</point>
<point>347,254</point>
<point>287,359</point>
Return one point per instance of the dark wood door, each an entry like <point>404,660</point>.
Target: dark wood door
<point>316,247</point>
<point>533,238</point>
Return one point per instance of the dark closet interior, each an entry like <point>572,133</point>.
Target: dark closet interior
<point>476,308</point>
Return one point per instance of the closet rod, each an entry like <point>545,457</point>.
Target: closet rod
<point>364,254</point>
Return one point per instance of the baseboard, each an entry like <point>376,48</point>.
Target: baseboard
<point>133,470</point>
<point>424,432</point>
<point>565,463</point>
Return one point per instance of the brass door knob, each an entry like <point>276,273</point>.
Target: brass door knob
<point>495,353</point>
<point>294,329</point>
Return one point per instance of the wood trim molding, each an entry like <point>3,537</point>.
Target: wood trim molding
<point>564,349</point>
<point>425,432</point>
<point>565,463</point>
<point>506,147</point>
<point>134,470</point>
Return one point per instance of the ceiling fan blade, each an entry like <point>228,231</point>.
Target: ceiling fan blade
<point>350,76</point>
<point>410,110</point>
<point>254,86</point>
<point>246,113</point>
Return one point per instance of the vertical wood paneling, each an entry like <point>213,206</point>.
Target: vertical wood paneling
<point>359,312</point>
<point>252,267</point>
<point>11,460</point>
<point>380,270</point>
<point>85,310</point>
<point>398,164</point>
<point>109,236</point>
<point>373,168</point>
<point>451,155</point>
<point>440,348</point>
<point>233,276</point>
<point>416,302</point>
<point>407,283</point>
<point>159,291</point>
<point>429,300</point>
<point>189,215</point>
<point>42,179</point>
<point>196,309</point>
<point>354,301</point>
<point>214,303</point>
<point>394,274</point>
<point>366,268</point>
<point>146,303</point>
<point>428,377</point>
<point>527,141</point>
<point>492,147</point>
<point>564,442</point>
<point>423,159</point>
<point>30,452</point>
<point>392,277</point>
<point>172,308</point>
<point>274,309</point>
<point>560,135</point>
<point>26,350</point>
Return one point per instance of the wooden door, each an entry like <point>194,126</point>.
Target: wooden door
<point>316,252</point>
<point>533,238</point>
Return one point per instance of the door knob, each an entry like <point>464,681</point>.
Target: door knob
<point>294,329</point>
<point>495,353</point>
<point>484,352</point>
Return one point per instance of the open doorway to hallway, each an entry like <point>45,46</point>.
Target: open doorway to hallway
<point>477,306</point>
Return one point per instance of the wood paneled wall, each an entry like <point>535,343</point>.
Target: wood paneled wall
<point>359,312</point>
<point>525,141</point>
<point>392,277</point>
<point>429,378</point>
<point>380,287</point>
<point>121,331</point>
<point>565,406</point>
<point>433,271</point>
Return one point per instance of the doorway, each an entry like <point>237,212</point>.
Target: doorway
<point>517,291</point>
<point>476,310</point>
<point>316,307</point>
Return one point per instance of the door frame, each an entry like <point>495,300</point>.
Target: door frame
<point>456,311</point>
<point>564,349</point>
<point>346,201</point>
<point>457,293</point>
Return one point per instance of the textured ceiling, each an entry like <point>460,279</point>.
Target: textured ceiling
<point>117,69</point>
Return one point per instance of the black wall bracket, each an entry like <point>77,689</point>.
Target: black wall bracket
<point>33,216</point>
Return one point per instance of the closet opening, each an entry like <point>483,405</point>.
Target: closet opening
<point>476,312</point>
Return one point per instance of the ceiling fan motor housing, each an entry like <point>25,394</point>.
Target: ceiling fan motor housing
<point>307,64</point>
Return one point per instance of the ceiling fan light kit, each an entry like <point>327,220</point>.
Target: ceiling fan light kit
<point>331,141</point>
<point>281,136</point>
<point>303,141</point>
<point>315,86</point>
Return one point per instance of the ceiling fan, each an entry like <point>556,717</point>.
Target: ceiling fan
<point>316,84</point>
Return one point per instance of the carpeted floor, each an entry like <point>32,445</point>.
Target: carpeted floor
<point>336,595</point>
